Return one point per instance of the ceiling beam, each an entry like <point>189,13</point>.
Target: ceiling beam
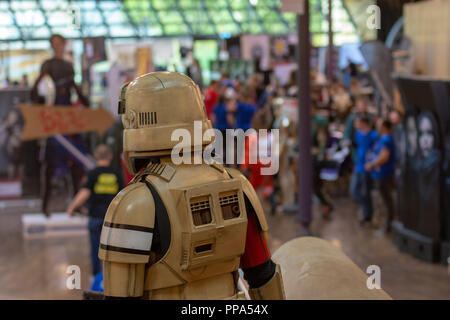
<point>16,24</point>
<point>230,11</point>
<point>130,19</point>
<point>208,16</point>
<point>155,12</point>
<point>181,13</point>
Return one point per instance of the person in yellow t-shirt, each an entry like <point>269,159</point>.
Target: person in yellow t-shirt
<point>103,183</point>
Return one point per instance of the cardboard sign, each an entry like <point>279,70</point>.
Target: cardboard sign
<point>42,121</point>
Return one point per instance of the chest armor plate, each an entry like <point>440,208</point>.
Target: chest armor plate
<point>208,230</point>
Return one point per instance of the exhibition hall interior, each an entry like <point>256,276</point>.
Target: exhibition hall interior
<point>330,170</point>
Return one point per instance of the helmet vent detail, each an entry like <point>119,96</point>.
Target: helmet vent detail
<point>147,118</point>
<point>121,107</point>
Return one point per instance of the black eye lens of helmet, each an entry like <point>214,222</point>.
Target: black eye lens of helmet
<point>121,105</point>
<point>141,163</point>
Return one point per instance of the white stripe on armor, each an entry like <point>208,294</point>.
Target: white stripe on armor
<point>128,239</point>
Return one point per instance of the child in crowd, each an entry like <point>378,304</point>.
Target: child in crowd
<point>103,183</point>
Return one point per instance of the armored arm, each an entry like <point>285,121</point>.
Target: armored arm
<point>261,273</point>
<point>126,241</point>
<point>123,280</point>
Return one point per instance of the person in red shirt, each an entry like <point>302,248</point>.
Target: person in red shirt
<point>211,97</point>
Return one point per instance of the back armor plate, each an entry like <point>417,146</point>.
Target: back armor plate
<point>208,224</point>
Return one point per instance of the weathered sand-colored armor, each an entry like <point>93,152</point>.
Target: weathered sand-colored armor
<point>180,231</point>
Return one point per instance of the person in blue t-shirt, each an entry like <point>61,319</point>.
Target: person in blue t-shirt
<point>244,115</point>
<point>382,167</point>
<point>222,117</point>
<point>245,109</point>
<point>361,185</point>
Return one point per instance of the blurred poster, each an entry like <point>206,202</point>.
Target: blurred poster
<point>94,51</point>
<point>116,76</point>
<point>256,48</point>
<point>280,49</point>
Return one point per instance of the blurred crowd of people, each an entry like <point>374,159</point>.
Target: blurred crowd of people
<point>347,139</point>
<point>348,135</point>
<point>8,83</point>
<point>233,104</point>
<point>344,138</point>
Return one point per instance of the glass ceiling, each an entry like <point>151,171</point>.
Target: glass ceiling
<point>37,20</point>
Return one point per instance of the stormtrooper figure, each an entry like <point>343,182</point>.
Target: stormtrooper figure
<point>180,231</point>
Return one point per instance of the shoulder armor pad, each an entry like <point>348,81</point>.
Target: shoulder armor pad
<point>250,192</point>
<point>127,232</point>
<point>161,170</point>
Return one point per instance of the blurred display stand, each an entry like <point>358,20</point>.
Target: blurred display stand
<point>423,79</point>
<point>37,225</point>
<point>424,180</point>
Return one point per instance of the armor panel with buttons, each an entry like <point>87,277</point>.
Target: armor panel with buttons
<point>216,212</point>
